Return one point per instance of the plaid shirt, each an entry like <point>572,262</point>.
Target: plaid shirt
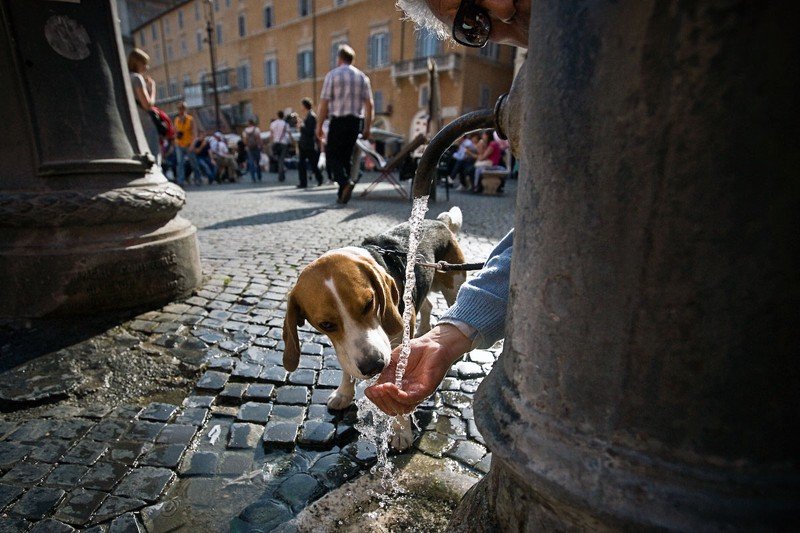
<point>346,88</point>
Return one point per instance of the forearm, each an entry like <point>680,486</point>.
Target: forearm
<point>482,301</point>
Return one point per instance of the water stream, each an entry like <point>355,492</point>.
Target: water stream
<point>374,425</point>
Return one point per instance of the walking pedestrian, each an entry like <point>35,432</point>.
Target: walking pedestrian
<point>347,98</point>
<point>280,134</point>
<point>185,135</point>
<point>221,155</point>
<point>252,136</point>
<point>307,151</point>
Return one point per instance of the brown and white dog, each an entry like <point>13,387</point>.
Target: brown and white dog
<point>354,296</point>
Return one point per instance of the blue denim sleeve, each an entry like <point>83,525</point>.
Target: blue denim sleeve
<point>482,300</point>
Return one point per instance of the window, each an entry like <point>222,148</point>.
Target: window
<point>304,8</point>
<point>485,96</point>
<point>242,25</point>
<point>490,51</point>
<point>187,80</point>
<point>197,9</point>
<point>378,49</point>
<point>377,98</point>
<point>161,91</point>
<point>142,40</point>
<point>227,3</point>
<point>243,76</point>
<point>270,71</point>
<point>199,39</point>
<point>172,88</point>
<point>335,49</point>
<point>216,5</point>
<point>219,33</point>
<point>427,44</point>
<point>184,48</point>
<point>170,55</point>
<point>338,3</point>
<point>167,28</point>
<point>153,32</point>
<point>180,20</point>
<point>269,18</point>
<point>156,57</point>
<point>305,64</point>
<point>424,95</point>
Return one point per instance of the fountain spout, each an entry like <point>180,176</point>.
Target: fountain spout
<point>483,118</point>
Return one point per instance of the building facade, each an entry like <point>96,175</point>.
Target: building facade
<point>269,54</point>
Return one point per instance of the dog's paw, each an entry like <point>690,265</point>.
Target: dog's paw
<point>338,401</point>
<point>403,436</point>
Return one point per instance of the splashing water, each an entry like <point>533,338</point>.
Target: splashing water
<point>373,424</point>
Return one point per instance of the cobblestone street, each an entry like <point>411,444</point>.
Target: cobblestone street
<point>231,441</point>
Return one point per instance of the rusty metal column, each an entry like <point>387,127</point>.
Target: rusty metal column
<point>87,221</point>
<point>650,376</point>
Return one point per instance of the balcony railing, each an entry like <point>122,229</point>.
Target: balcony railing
<point>419,65</point>
<point>226,81</point>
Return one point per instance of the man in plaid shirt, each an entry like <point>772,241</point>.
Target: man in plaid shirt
<point>347,99</point>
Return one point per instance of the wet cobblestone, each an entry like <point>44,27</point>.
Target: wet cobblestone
<point>248,431</point>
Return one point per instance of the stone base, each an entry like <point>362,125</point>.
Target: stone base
<point>85,270</point>
<point>492,181</point>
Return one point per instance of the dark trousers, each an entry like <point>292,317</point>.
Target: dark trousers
<point>306,156</point>
<point>342,136</point>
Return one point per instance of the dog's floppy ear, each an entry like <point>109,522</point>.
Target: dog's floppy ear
<point>388,299</point>
<point>294,318</point>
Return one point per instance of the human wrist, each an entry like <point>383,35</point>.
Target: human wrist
<point>453,342</point>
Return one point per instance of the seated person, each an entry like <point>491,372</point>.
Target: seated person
<point>489,159</point>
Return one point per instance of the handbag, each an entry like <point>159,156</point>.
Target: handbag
<point>161,120</point>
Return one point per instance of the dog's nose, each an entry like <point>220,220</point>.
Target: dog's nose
<point>371,367</point>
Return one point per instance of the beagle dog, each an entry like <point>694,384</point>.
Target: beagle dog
<point>354,296</point>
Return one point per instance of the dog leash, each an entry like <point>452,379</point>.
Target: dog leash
<point>444,266</point>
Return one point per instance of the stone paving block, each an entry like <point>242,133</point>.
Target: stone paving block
<point>225,364</point>
<point>78,506</point>
<point>287,413</point>
<point>166,455</point>
<point>214,436</point>
<point>345,432</point>
<point>468,452</point>
<point>481,357</point>
<point>435,444</point>
<point>85,452</point>
<point>32,431</point>
<point>450,384</point>
<point>158,412</point>
<point>96,411</point>
<point>125,411</point>
<point>235,463</point>
<point>302,376</point>
<point>321,413</point>
<point>104,475</point>
<point>244,435</point>
<point>456,400</point>
<point>26,473</point>
<point>451,426</point>
<point>467,370</point>
<point>168,340</point>
<point>280,434</point>
<point>213,380</point>
<point>209,336</point>
<point>247,370</point>
<point>194,416</point>
<point>265,342</point>
<point>124,452</point>
<point>176,434</point>
<point>50,525</point>
<point>317,434</point>
<point>144,483</point>
<point>11,453</point>
<point>298,490</point>
<point>259,391</point>
<point>71,428</point>
<point>470,385</point>
<point>329,378</point>
<point>199,464</point>
<point>484,464</point>
<point>107,430</point>
<point>233,392</point>
<point>273,374</point>
<point>114,506</point>
<point>224,410</point>
<point>320,396</point>
<point>198,401</point>
<point>144,431</point>
<point>9,493</point>
<point>37,502</point>
<point>313,362</point>
<point>263,515</point>
<point>232,346</point>
<point>50,450</point>
<point>6,428</point>
<point>257,412</point>
<point>291,395</point>
<point>331,362</point>
<point>126,523</point>
<point>334,469</point>
<point>66,476</point>
<point>362,452</point>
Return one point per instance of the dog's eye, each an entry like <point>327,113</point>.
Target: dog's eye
<point>368,306</point>
<point>327,326</point>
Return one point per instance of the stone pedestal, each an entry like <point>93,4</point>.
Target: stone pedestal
<point>87,221</point>
<point>649,378</point>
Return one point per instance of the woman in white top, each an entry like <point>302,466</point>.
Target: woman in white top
<point>144,90</point>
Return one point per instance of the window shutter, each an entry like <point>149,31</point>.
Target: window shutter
<point>370,52</point>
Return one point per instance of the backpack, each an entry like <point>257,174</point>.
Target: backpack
<point>252,139</point>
